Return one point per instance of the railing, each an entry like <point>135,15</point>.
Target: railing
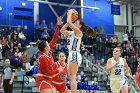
<point>27,82</point>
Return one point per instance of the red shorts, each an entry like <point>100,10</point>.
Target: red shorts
<point>138,79</point>
<point>60,87</point>
<point>43,83</point>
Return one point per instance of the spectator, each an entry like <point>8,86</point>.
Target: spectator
<point>16,61</point>
<point>22,39</point>
<point>43,25</point>
<point>125,37</point>
<point>51,29</point>
<point>37,29</point>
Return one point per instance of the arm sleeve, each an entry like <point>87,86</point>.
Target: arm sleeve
<point>55,37</point>
<point>55,65</point>
<point>46,67</point>
<point>12,68</point>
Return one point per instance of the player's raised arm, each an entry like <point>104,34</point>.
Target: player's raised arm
<point>64,31</point>
<point>72,25</point>
<point>55,37</point>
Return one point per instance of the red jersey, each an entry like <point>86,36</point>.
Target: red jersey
<point>45,62</point>
<point>61,77</point>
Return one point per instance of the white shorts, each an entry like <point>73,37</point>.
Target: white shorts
<point>116,85</point>
<point>75,57</point>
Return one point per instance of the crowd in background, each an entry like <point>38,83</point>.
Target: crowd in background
<point>96,48</point>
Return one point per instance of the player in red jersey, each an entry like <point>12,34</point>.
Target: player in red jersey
<point>59,81</point>
<point>138,74</point>
<point>45,63</point>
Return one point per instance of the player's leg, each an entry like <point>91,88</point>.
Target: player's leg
<point>73,69</point>
<point>46,87</point>
<point>124,88</point>
<point>115,86</point>
<point>54,90</point>
<point>47,91</point>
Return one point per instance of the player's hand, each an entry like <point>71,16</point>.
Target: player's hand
<point>59,21</point>
<point>117,63</point>
<point>70,11</point>
<point>10,82</point>
<point>129,76</point>
<point>60,69</point>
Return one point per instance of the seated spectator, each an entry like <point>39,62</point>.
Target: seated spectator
<point>43,25</point>
<point>22,39</point>
<point>45,35</point>
<point>33,59</point>
<point>132,52</point>
<point>21,36</point>
<point>95,82</point>
<point>16,61</point>
<point>37,30</point>
<point>10,52</point>
<point>15,40</point>
<point>125,37</point>
<point>51,29</point>
<point>19,54</point>
<point>83,76</point>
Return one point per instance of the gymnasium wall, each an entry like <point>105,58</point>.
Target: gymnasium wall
<point>136,19</point>
<point>45,12</point>
<point>102,17</point>
<point>120,21</point>
<point>14,13</point>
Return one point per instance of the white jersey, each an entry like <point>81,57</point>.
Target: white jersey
<point>119,71</point>
<point>73,42</point>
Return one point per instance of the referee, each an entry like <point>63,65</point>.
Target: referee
<point>8,77</point>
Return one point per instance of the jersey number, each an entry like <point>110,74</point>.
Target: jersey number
<point>61,76</point>
<point>118,72</point>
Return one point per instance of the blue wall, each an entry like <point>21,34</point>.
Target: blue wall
<point>45,12</point>
<point>22,15</point>
<point>99,18</point>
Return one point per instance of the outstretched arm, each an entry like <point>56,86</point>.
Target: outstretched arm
<point>55,37</point>
<point>47,68</point>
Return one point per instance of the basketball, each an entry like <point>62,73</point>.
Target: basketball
<point>74,16</point>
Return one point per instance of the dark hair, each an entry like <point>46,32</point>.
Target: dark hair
<point>82,24</point>
<point>41,45</point>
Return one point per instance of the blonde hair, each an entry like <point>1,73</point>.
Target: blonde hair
<point>120,48</point>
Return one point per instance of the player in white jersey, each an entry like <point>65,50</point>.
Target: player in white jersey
<point>73,44</point>
<point>116,66</point>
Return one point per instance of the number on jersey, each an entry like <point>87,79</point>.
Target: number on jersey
<point>117,71</point>
<point>62,76</point>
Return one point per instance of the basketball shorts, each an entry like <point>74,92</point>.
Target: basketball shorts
<point>116,85</point>
<point>43,83</point>
<point>75,56</point>
<point>60,87</point>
